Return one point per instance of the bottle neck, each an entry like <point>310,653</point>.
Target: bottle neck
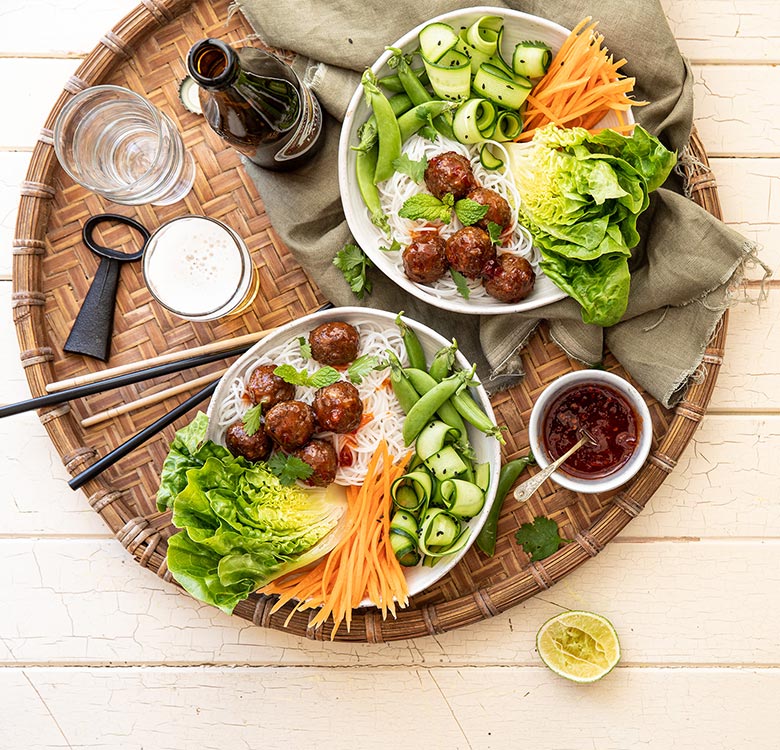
<point>213,64</point>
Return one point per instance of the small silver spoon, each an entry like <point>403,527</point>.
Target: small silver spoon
<point>527,488</point>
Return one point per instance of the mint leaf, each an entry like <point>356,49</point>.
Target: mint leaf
<point>427,207</point>
<point>289,468</point>
<point>461,283</point>
<point>324,376</point>
<point>415,169</point>
<point>494,230</point>
<point>395,246</point>
<point>353,263</point>
<point>540,538</point>
<point>448,199</point>
<point>361,367</point>
<point>469,212</point>
<point>251,419</point>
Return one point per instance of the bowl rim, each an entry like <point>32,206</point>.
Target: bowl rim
<point>347,185</point>
<point>624,473</point>
<point>493,448</point>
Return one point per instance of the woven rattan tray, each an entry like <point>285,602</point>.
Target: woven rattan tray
<point>52,271</point>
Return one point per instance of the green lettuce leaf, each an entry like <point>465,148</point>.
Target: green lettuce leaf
<point>580,197</point>
<point>240,527</point>
<point>188,450</point>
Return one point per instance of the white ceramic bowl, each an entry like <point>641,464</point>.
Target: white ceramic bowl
<point>645,427</point>
<point>487,449</point>
<point>519,26</point>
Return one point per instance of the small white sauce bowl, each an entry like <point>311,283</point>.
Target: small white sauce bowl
<point>644,426</point>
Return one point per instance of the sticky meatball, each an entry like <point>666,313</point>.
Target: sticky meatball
<point>255,447</point>
<point>509,278</point>
<point>498,211</point>
<point>450,173</point>
<point>338,407</point>
<point>290,424</point>
<point>321,456</point>
<point>424,260</point>
<point>468,250</point>
<point>268,389</point>
<point>334,343</point>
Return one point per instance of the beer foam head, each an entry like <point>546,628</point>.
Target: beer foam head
<point>195,266</point>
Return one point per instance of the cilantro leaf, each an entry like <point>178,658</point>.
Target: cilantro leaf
<point>395,246</point>
<point>540,538</point>
<point>460,283</point>
<point>324,376</point>
<point>494,230</point>
<point>469,212</point>
<point>426,206</point>
<point>361,367</point>
<point>305,347</point>
<point>415,169</point>
<point>353,263</point>
<point>289,468</point>
<point>251,419</point>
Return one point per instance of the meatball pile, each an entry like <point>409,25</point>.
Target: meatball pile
<point>289,425</point>
<point>470,251</point>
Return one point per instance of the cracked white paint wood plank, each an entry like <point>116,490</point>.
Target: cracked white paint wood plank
<point>725,30</point>
<point>736,109</point>
<point>750,376</point>
<point>35,27</point>
<point>672,602</point>
<point>460,709</point>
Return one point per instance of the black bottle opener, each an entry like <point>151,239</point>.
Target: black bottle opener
<point>91,332</point>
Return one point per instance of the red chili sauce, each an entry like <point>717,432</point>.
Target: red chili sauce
<point>609,418</point>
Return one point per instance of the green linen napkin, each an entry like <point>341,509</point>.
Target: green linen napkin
<point>682,271</point>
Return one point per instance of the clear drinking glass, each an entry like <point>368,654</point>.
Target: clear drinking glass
<point>114,142</point>
<point>199,269</point>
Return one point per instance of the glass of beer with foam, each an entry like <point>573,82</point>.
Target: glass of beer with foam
<point>199,269</point>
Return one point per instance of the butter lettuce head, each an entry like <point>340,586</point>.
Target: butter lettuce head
<point>580,197</point>
<point>240,527</point>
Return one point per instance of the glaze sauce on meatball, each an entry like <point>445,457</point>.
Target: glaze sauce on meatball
<point>334,343</point>
<point>255,447</point>
<point>498,211</point>
<point>468,250</point>
<point>450,173</point>
<point>268,389</point>
<point>509,278</point>
<point>321,456</point>
<point>425,260</point>
<point>290,424</point>
<point>338,407</point>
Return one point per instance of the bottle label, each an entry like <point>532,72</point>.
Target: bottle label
<point>308,130</point>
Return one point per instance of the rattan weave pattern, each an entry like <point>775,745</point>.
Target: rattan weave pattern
<point>52,271</point>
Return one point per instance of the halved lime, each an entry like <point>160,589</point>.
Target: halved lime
<point>580,646</point>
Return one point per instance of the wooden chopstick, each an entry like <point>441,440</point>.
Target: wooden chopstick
<point>214,346</point>
<point>152,398</point>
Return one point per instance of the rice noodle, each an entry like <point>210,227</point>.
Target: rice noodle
<point>394,191</point>
<point>375,392</point>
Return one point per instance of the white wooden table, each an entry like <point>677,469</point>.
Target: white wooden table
<point>97,653</point>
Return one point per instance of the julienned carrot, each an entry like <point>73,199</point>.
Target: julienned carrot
<point>580,87</point>
<point>361,565</point>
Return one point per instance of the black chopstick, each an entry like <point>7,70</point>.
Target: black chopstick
<point>130,445</point>
<point>79,391</point>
